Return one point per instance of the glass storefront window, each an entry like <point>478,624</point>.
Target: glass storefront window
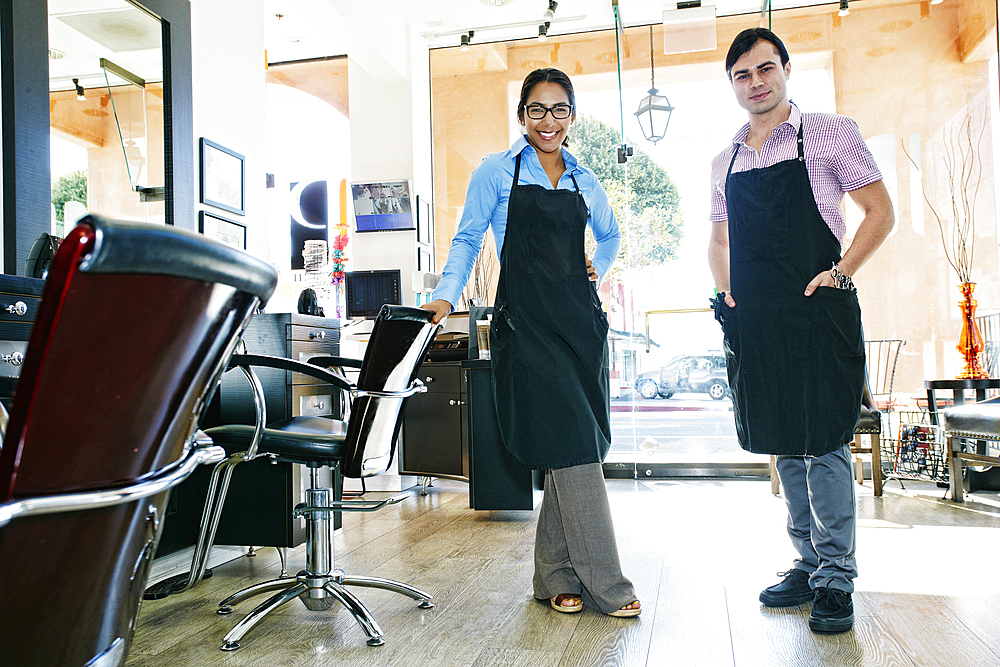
<point>909,74</point>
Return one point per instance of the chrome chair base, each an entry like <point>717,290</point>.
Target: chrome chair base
<point>318,593</point>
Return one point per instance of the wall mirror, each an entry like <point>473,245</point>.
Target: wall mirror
<point>106,110</point>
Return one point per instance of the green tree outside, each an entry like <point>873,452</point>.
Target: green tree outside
<point>69,187</point>
<point>644,199</point>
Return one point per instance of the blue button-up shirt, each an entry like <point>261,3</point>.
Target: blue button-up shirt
<point>486,206</point>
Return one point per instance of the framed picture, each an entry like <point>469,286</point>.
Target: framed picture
<point>222,177</point>
<point>424,260</point>
<point>219,228</point>
<point>424,224</point>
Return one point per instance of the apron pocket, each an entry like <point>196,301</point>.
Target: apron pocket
<point>836,324</point>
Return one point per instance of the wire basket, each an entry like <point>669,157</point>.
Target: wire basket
<point>917,451</point>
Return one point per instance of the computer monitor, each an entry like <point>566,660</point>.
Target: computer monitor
<point>382,206</point>
<point>368,291</point>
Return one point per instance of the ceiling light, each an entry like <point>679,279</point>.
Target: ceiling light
<point>56,54</point>
<point>79,91</point>
<point>844,9</point>
<point>466,40</point>
<point>654,109</point>
<point>543,32</point>
<point>551,11</point>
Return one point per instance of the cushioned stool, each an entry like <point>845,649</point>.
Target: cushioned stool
<point>973,421</point>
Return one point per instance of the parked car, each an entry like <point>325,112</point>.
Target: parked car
<point>705,374</point>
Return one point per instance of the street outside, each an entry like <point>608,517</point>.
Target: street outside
<point>685,427</point>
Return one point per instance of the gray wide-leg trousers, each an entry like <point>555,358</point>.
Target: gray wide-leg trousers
<point>575,549</point>
<point>822,516</point>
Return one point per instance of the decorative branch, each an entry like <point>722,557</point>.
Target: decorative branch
<point>964,168</point>
<point>484,275</point>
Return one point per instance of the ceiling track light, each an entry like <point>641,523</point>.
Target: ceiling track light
<point>79,91</point>
<point>543,32</point>
<point>466,40</point>
<point>551,11</point>
<point>844,9</point>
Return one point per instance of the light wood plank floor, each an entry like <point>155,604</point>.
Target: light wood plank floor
<point>698,552</point>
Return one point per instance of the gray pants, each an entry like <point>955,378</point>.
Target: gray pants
<point>575,550</point>
<point>822,516</point>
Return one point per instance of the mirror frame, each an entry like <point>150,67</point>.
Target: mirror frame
<point>24,65</point>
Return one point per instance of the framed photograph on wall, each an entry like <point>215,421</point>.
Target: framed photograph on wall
<point>424,224</point>
<point>229,232</point>
<point>222,177</point>
<point>424,260</point>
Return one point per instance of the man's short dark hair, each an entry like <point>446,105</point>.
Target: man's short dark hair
<point>746,40</point>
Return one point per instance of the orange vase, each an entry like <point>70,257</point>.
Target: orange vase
<point>970,343</point>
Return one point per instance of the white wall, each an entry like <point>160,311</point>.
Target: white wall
<point>227,53</point>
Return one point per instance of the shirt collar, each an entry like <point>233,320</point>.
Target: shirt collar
<point>521,144</point>
<point>794,119</point>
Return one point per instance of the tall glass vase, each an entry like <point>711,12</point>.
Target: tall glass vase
<point>970,342</point>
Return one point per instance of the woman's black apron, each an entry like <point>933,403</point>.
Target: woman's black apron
<point>549,337</point>
<point>796,364</point>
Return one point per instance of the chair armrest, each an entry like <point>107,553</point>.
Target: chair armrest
<point>203,452</point>
<point>326,361</point>
<point>291,365</point>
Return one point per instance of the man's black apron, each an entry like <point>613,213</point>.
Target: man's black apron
<point>549,337</point>
<point>796,364</point>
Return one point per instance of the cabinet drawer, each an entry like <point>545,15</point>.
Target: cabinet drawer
<point>302,350</point>
<point>442,377</point>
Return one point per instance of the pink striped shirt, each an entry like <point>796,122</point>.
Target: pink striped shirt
<point>837,161</point>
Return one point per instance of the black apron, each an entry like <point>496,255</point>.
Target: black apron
<point>796,364</point>
<point>549,336</point>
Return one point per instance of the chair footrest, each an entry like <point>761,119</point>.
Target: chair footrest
<point>346,506</point>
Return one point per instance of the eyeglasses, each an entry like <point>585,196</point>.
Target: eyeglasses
<point>559,111</point>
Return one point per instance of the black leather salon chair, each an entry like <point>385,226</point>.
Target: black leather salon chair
<point>135,325</point>
<point>360,447</point>
<point>975,424</point>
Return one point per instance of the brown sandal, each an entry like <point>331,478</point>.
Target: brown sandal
<point>628,611</point>
<point>557,603</point>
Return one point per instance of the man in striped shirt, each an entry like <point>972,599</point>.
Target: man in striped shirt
<point>790,313</point>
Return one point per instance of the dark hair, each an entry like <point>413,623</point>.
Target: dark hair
<point>546,75</point>
<point>748,39</point>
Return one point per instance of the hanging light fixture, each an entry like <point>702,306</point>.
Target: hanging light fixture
<point>550,13</point>
<point>80,95</point>
<point>844,9</point>
<point>654,110</point>
<point>543,32</point>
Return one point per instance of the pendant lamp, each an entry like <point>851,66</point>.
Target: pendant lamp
<point>654,110</point>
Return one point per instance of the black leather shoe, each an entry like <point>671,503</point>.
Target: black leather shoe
<point>792,591</point>
<point>832,612</point>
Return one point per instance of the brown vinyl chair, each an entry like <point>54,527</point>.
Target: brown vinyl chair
<point>135,326</point>
<point>360,447</point>
<point>881,357</point>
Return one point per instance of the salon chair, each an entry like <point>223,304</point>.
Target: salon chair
<point>968,430</point>
<point>360,447</point>
<point>135,325</point>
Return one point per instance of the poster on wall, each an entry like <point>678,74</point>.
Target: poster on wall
<point>222,178</point>
<point>309,220</point>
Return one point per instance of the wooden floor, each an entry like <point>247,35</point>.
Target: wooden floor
<point>698,552</point>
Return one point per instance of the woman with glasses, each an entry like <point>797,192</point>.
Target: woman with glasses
<point>548,339</point>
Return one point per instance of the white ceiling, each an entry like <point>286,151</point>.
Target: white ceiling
<point>377,33</point>
<point>298,34</point>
